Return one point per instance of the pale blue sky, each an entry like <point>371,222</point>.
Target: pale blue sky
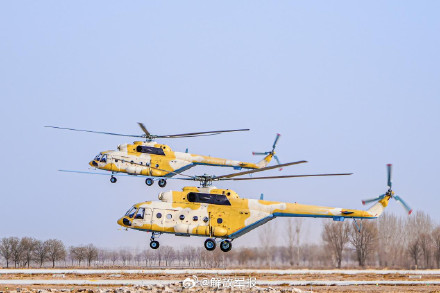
<point>351,86</point>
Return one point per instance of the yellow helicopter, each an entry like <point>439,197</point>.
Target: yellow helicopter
<point>159,161</point>
<point>222,215</point>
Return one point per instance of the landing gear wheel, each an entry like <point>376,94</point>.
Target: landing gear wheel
<point>113,179</point>
<point>149,181</point>
<point>154,244</point>
<point>225,245</point>
<point>162,183</point>
<point>209,244</point>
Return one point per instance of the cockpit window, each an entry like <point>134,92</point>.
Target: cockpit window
<point>140,214</point>
<point>98,157</point>
<point>131,212</point>
<point>104,159</point>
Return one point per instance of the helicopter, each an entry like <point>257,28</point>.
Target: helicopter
<point>222,215</point>
<point>158,161</point>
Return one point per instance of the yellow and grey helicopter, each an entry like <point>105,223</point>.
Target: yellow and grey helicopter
<point>159,161</point>
<point>222,215</point>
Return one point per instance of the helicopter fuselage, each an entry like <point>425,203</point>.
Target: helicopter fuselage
<point>158,160</point>
<point>221,213</point>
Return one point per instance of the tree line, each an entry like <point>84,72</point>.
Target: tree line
<point>388,242</point>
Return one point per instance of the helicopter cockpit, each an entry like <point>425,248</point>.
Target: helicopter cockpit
<point>135,212</point>
<point>99,158</point>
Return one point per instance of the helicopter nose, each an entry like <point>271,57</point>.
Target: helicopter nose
<point>93,163</point>
<point>124,222</point>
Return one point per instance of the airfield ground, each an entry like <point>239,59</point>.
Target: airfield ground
<point>124,281</point>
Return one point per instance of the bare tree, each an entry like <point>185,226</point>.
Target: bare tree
<point>290,237</point>
<point>40,252</point>
<point>17,250</point>
<point>267,239</point>
<point>415,251</point>
<point>91,253</point>
<point>77,253</point>
<point>114,257</point>
<point>335,235</point>
<point>168,254</point>
<point>55,251</point>
<point>125,256</point>
<point>436,245</point>
<point>298,228</point>
<point>425,248</point>
<point>28,246</point>
<point>6,249</point>
<point>364,241</point>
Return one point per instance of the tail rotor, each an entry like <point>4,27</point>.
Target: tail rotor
<point>390,193</point>
<point>272,152</point>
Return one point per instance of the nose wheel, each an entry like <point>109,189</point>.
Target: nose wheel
<point>113,179</point>
<point>162,183</point>
<point>154,244</point>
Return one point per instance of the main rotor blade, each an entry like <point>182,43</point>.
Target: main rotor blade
<point>404,204</point>
<point>92,131</point>
<point>191,134</point>
<point>144,129</point>
<point>286,176</point>
<point>260,170</point>
<point>389,175</point>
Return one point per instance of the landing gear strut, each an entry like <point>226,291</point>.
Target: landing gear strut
<point>149,181</point>
<point>153,243</point>
<point>210,244</point>
<point>162,182</point>
<point>113,179</point>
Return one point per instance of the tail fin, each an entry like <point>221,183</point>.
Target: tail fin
<point>264,162</point>
<point>377,209</point>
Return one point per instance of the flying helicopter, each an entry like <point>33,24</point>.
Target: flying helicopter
<point>158,161</point>
<point>222,215</point>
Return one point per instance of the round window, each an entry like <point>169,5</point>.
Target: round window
<point>219,220</point>
<point>195,218</point>
<point>159,215</point>
<point>205,219</point>
<point>169,216</point>
<point>182,217</point>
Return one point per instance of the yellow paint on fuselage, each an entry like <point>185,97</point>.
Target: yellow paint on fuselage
<point>174,213</point>
<point>127,159</point>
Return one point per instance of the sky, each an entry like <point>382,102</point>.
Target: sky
<point>351,86</point>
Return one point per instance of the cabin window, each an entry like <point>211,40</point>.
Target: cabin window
<point>140,214</point>
<point>150,150</point>
<point>182,217</point>
<point>219,220</point>
<point>169,216</point>
<point>159,215</point>
<point>104,159</point>
<point>98,157</point>
<point>205,219</point>
<point>195,218</point>
<point>219,199</point>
